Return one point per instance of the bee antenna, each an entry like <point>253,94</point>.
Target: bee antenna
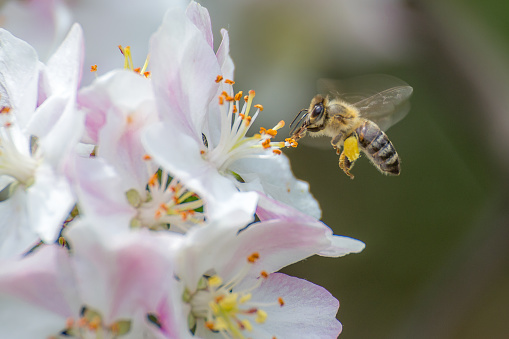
<point>302,110</point>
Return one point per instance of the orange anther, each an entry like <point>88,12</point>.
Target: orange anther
<point>147,157</point>
<point>260,107</point>
<point>266,143</point>
<point>93,68</point>
<point>219,78</point>
<point>253,257</point>
<point>264,274</point>
<point>277,151</point>
<point>281,301</point>
<point>229,82</point>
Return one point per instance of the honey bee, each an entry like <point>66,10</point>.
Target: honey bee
<point>357,122</point>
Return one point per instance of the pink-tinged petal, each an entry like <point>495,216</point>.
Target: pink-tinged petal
<point>225,248</point>
<point>179,154</point>
<point>19,74</point>
<point>274,177</point>
<point>102,194</point>
<point>184,69</point>
<point>200,17</point>
<point>272,210</point>
<point>42,23</point>
<point>123,275</point>
<point>309,310</point>
<point>125,102</point>
<point>37,294</point>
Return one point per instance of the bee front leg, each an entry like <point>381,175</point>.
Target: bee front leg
<point>345,164</point>
<point>336,142</point>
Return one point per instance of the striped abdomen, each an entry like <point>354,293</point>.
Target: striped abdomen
<point>379,149</point>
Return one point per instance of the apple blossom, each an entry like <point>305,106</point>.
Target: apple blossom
<point>39,129</point>
<point>103,287</point>
<point>231,288</point>
<point>207,147</point>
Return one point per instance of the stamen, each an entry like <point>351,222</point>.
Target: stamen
<point>93,68</point>
<point>260,107</point>
<point>219,78</point>
<point>253,257</point>
<point>229,82</point>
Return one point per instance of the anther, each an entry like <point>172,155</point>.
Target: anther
<point>281,301</point>
<point>229,82</point>
<point>219,78</point>
<point>93,68</point>
<point>253,257</point>
<point>260,107</point>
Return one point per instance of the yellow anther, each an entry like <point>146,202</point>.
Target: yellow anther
<point>260,107</point>
<point>219,78</point>
<point>247,325</point>
<point>93,68</point>
<point>215,281</point>
<point>245,298</point>
<point>229,82</point>
<point>261,316</point>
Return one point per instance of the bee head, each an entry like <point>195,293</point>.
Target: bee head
<point>317,113</point>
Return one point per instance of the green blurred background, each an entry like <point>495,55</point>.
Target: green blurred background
<point>436,263</point>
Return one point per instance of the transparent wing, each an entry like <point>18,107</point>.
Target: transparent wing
<point>380,98</point>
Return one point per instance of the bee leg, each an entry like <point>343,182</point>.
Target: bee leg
<point>345,164</point>
<point>335,142</point>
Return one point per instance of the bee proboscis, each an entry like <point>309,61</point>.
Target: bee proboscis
<point>356,122</point>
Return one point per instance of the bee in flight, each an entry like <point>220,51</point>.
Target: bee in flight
<point>357,121</point>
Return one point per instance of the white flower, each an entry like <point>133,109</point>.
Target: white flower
<point>121,183</point>
<point>230,286</point>
<point>39,129</point>
<point>104,287</point>
<point>202,138</point>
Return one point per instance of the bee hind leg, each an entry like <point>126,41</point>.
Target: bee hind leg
<point>346,165</point>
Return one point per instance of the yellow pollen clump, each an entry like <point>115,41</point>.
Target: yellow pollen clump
<point>219,78</point>
<point>253,257</point>
<point>260,107</point>
<point>229,303</point>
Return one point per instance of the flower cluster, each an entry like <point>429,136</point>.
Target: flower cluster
<point>144,206</point>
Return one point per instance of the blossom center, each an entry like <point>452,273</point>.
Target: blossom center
<point>17,153</point>
<point>226,308</point>
<point>91,326</point>
<point>166,203</point>
<point>235,123</point>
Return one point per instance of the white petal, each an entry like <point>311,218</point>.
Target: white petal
<point>184,69</point>
<point>19,73</point>
<point>37,294</point>
<point>179,154</point>
<point>274,177</point>
<point>309,310</point>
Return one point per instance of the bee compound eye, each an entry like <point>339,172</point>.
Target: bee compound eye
<point>317,111</point>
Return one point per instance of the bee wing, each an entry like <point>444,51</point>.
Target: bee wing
<point>386,108</point>
<point>380,98</point>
